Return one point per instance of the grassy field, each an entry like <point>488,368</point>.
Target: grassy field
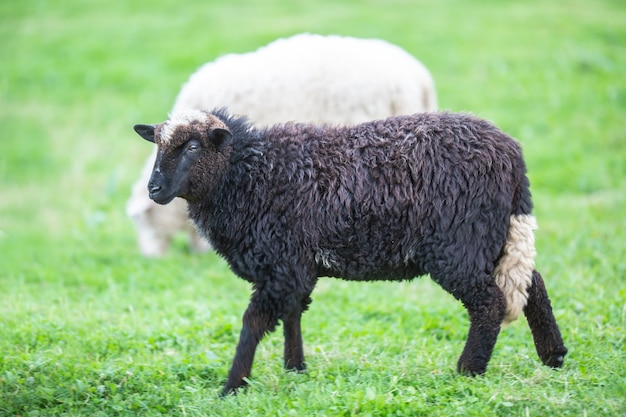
<point>88,327</point>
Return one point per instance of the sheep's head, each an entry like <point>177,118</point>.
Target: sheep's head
<point>192,147</point>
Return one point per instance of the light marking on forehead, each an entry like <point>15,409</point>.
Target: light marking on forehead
<point>177,119</point>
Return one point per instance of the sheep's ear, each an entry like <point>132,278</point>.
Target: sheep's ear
<point>220,137</point>
<point>146,132</point>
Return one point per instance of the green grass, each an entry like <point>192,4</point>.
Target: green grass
<point>87,327</point>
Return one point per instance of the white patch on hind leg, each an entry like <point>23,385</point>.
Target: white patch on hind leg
<point>514,270</point>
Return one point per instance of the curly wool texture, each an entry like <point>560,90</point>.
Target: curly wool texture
<point>306,78</point>
<point>386,200</point>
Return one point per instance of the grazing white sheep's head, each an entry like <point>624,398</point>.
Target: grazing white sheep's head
<point>192,146</point>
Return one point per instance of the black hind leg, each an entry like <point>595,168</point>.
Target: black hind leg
<point>546,334</point>
<point>486,309</point>
<point>486,306</point>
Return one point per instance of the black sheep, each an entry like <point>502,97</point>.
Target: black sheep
<point>435,193</point>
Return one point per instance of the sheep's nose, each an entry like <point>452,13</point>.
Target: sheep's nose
<point>153,188</point>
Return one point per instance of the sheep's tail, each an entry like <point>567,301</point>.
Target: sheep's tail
<point>514,270</point>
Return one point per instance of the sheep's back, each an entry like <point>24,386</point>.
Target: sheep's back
<point>314,78</point>
<point>377,200</point>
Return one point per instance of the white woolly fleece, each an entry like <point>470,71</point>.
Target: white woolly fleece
<point>513,274</point>
<point>313,78</point>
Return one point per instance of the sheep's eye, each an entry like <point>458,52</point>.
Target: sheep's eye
<point>193,147</point>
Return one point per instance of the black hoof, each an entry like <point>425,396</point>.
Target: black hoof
<point>230,391</point>
<point>299,369</point>
<point>556,359</point>
<point>467,371</point>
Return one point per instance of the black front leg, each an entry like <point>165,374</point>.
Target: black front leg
<point>294,352</point>
<point>257,321</point>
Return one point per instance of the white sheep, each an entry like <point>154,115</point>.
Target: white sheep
<point>307,78</point>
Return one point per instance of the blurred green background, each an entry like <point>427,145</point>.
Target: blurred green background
<point>76,298</point>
